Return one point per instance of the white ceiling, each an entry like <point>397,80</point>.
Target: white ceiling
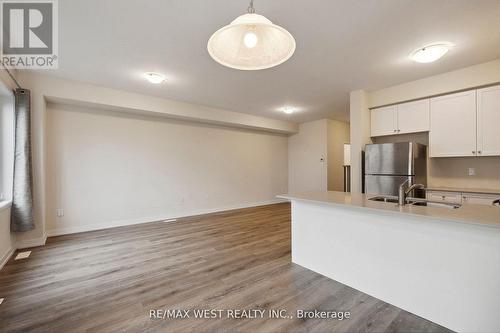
<point>342,45</point>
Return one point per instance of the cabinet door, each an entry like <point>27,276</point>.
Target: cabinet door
<point>453,197</point>
<point>479,199</point>
<point>488,121</point>
<point>383,121</point>
<point>453,125</point>
<point>413,117</point>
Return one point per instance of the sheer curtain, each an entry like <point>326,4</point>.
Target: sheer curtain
<point>22,196</point>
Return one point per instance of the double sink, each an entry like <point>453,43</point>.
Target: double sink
<point>417,202</point>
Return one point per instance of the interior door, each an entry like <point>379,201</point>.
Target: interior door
<point>488,121</point>
<point>453,125</point>
<point>383,121</point>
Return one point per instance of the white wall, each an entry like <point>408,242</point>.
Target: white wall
<point>306,170</point>
<point>6,172</point>
<point>107,168</point>
<point>44,88</point>
<point>7,239</point>
<point>338,135</point>
<point>360,135</point>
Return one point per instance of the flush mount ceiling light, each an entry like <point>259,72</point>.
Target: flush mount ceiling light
<point>288,109</point>
<point>251,42</point>
<point>431,52</point>
<point>155,78</point>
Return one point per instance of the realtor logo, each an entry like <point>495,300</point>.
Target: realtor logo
<point>29,34</point>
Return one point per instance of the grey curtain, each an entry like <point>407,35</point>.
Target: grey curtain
<point>22,197</point>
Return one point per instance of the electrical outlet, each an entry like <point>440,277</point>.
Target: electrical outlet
<point>472,171</point>
<point>60,212</point>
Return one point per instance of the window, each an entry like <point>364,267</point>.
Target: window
<point>6,142</point>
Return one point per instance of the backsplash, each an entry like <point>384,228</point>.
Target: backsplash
<point>453,171</point>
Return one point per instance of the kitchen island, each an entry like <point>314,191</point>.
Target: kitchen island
<point>442,264</point>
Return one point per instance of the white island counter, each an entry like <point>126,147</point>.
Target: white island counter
<point>439,263</point>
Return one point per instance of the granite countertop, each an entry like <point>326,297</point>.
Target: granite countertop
<point>464,190</point>
<point>468,213</point>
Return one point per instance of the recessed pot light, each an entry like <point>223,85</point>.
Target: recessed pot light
<point>155,78</point>
<point>431,52</point>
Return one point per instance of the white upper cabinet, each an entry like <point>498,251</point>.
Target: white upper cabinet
<point>403,118</point>
<point>384,121</point>
<point>413,117</point>
<point>488,121</point>
<point>453,125</point>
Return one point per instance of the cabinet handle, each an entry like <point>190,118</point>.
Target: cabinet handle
<point>473,152</point>
<point>479,152</point>
<point>395,131</point>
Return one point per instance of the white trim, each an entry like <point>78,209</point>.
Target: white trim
<point>7,256</point>
<point>5,205</point>
<point>121,223</point>
<point>27,243</point>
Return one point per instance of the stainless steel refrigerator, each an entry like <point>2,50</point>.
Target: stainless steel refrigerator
<point>388,165</point>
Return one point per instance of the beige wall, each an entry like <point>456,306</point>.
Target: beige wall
<point>465,78</point>
<point>338,135</point>
<point>307,157</point>
<point>107,168</point>
<point>453,172</point>
<point>316,156</point>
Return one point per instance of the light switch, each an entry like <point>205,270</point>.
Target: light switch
<point>472,171</point>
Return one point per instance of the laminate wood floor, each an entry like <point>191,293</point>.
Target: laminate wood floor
<point>109,280</point>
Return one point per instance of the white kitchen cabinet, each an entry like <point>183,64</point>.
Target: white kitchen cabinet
<point>453,125</point>
<point>479,198</point>
<point>452,197</point>
<point>488,121</point>
<point>403,118</point>
<point>413,117</point>
<point>462,197</point>
<point>384,121</point>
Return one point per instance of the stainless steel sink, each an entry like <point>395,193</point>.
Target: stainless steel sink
<point>384,199</point>
<point>417,202</point>
<point>437,204</point>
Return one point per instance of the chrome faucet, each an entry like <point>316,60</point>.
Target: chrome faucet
<point>403,193</point>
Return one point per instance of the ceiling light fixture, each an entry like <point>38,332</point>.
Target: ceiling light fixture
<point>251,42</point>
<point>431,52</point>
<point>288,110</point>
<point>155,78</point>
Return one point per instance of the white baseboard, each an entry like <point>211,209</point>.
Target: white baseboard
<point>121,223</point>
<point>7,256</point>
<point>27,243</point>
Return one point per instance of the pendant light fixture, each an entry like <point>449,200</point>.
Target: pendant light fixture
<point>251,42</point>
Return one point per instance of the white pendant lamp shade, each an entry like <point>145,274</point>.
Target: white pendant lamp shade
<point>251,42</point>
